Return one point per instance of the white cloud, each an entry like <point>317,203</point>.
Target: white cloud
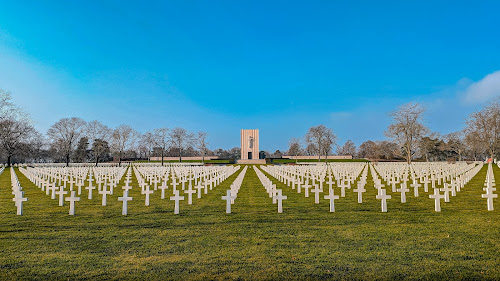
<point>484,89</point>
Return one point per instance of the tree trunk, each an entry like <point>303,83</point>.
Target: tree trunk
<point>96,159</point>
<point>180,155</point>
<point>408,155</point>
<point>162,156</point>
<point>203,157</point>
<point>67,160</point>
<point>120,159</point>
<point>8,160</point>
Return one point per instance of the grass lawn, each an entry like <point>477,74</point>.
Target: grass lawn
<point>411,241</point>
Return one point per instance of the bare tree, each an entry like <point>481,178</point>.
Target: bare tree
<point>123,139</point>
<point>201,143</point>
<point>67,133</point>
<point>294,148</point>
<point>407,128</point>
<point>38,145</point>
<point>161,140</point>
<point>81,154</point>
<point>474,144</point>
<point>386,149</point>
<point>456,143</point>
<point>349,148</point>
<point>7,109</point>
<point>486,124</point>
<point>96,131</point>
<point>15,127</point>
<point>147,143</point>
<point>181,139</point>
<point>368,149</point>
<point>102,147</point>
<point>322,138</point>
<point>13,136</point>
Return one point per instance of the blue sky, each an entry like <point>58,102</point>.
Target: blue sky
<point>279,66</point>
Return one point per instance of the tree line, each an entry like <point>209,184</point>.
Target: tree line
<point>410,139</point>
<point>76,140</point>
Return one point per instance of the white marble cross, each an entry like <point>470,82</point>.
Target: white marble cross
<point>125,200</point>
<point>331,196</point>
<point>360,191</point>
<point>343,185</point>
<point>104,192</point>
<point>61,192</point>
<point>383,196</point>
<point>176,198</point>
<point>228,199</point>
<point>426,184</point>
<point>306,187</point>
<point>316,192</point>
<point>19,199</point>
<point>79,185</point>
<point>403,191</point>
<point>163,187</point>
<point>446,190</point>
<point>280,197</point>
<point>415,186</point>
<point>199,187</point>
<point>53,189</point>
<point>90,188</point>
<point>72,200</point>
<point>190,195</point>
<point>147,192</point>
<point>437,199</point>
<point>489,195</point>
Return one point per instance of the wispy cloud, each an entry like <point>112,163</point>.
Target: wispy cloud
<point>340,115</point>
<point>484,89</point>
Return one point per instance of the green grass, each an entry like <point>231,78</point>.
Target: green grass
<point>357,242</point>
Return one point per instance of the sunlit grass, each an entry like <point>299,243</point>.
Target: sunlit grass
<point>411,241</point>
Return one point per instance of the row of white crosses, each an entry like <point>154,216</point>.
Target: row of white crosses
<point>306,177</point>
<point>232,192</point>
<point>425,173</point>
<point>489,183</point>
<point>397,173</point>
<point>199,177</point>
<point>274,193</point>
<point>125,198</point>
<point>203,179</point>
<point>55,180</point>
<point>381,193</point>
<point>61,192</point>
<point>48,179</point>
<point>16,191</point>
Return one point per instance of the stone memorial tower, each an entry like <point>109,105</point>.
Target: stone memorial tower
<point>249,144</point>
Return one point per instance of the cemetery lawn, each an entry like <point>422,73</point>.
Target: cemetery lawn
<point>411,241</point>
